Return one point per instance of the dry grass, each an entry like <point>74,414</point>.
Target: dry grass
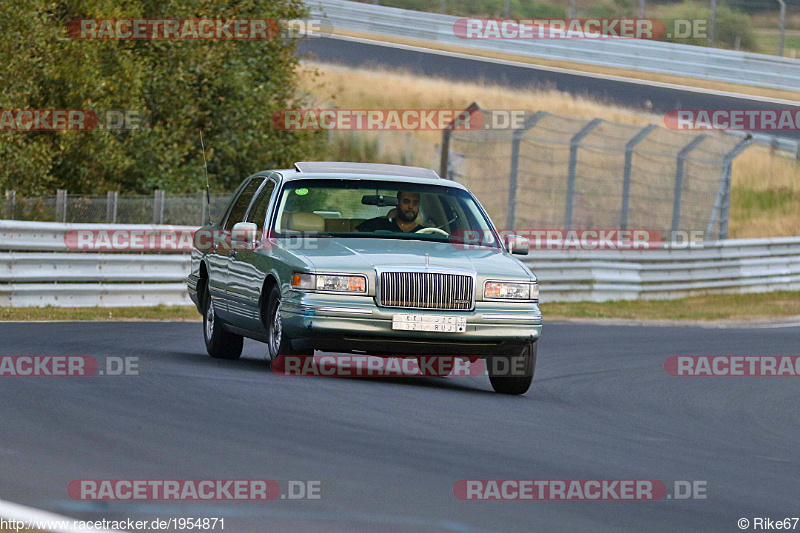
<point>765,196</point>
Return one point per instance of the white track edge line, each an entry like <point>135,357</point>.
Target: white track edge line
<point>24,514</point>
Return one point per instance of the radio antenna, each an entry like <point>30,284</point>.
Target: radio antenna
<point>205,164</point>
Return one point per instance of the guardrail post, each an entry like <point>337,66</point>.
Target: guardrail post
<point>574,144</point>
<point>61,205</point>
<point>626,178</point>
<point>445,153</point>
<point>158,207</point>
<point>111,207</point>
<point>676,202</point>
<point>11,204</point>
<point>530,122</point>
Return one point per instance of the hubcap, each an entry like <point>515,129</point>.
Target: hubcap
<point>210,320</point>
<point>276,330</point>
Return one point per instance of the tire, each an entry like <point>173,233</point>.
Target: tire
<point>513,374</point>
<point>278,343</point>
<point>220,344</point>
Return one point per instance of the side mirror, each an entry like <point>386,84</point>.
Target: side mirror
<point>517,245</point>
<point>244,234</point>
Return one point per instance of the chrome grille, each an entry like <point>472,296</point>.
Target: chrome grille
<point>426,290</point>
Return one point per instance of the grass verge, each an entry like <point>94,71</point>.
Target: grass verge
<point>779,304</point>
<point>180,313</point>
<point>743,307</point>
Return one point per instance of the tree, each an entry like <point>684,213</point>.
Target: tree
<point>228,88</point>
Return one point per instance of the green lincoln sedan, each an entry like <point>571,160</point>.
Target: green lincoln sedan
<point>386,260</point>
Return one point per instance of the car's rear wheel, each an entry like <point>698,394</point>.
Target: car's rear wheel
<point>278,342</point>
<point>513,374</point>
<point>220,344</point>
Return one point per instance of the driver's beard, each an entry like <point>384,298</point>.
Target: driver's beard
<point>402,216</point>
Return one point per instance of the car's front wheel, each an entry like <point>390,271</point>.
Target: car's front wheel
<point>513,374</point>
<point>278,342</point>
<point>220,344</point>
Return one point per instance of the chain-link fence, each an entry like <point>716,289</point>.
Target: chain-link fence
<point>160,208</point>
<point>553,172</point>
<point>558,172</point>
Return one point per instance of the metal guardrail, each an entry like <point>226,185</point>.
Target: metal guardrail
<point>740,266</point>
<point>78,279</point>
<point>38,269</point>
<point>649,56</point>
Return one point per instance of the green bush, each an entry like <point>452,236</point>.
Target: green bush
<point>612,9</point>
<point>729,24</point>
<point>228,88</point>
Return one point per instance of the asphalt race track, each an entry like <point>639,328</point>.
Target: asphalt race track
<point>630,94</point>
<point>388,452</point>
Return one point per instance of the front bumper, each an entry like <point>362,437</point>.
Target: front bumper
<point>354,323</point>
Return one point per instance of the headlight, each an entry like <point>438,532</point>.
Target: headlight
<point>330,282</point>
<point>511,290</point>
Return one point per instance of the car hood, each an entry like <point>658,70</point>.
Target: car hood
<point>364,254</point>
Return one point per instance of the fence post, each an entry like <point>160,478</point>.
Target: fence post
<point>203,202</point>
<point>511,214</point>
<point>574,144</point>
<point>111,207</point>
<point>626,178</point>
<point>722,201</point>
<point>158,207</point>
<point>61,205</point>
<point>446,133</point>
<point>11,204</point>
<point>782,29</point>
<point>676,202</point>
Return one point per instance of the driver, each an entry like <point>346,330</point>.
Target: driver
<point>405,221</point>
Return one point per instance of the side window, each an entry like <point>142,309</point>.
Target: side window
<point>259,210</point>
<point>242,201</point>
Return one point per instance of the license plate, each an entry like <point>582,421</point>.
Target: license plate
<point>440,323</point>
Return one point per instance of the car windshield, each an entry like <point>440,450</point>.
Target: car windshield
<point>380,209</point>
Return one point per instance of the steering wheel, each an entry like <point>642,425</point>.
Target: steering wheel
<point>433,230</point>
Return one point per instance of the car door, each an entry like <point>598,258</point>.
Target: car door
<point>245,274</point>
<point>217,258</point>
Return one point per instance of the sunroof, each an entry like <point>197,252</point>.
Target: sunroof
<point>364,168</point>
